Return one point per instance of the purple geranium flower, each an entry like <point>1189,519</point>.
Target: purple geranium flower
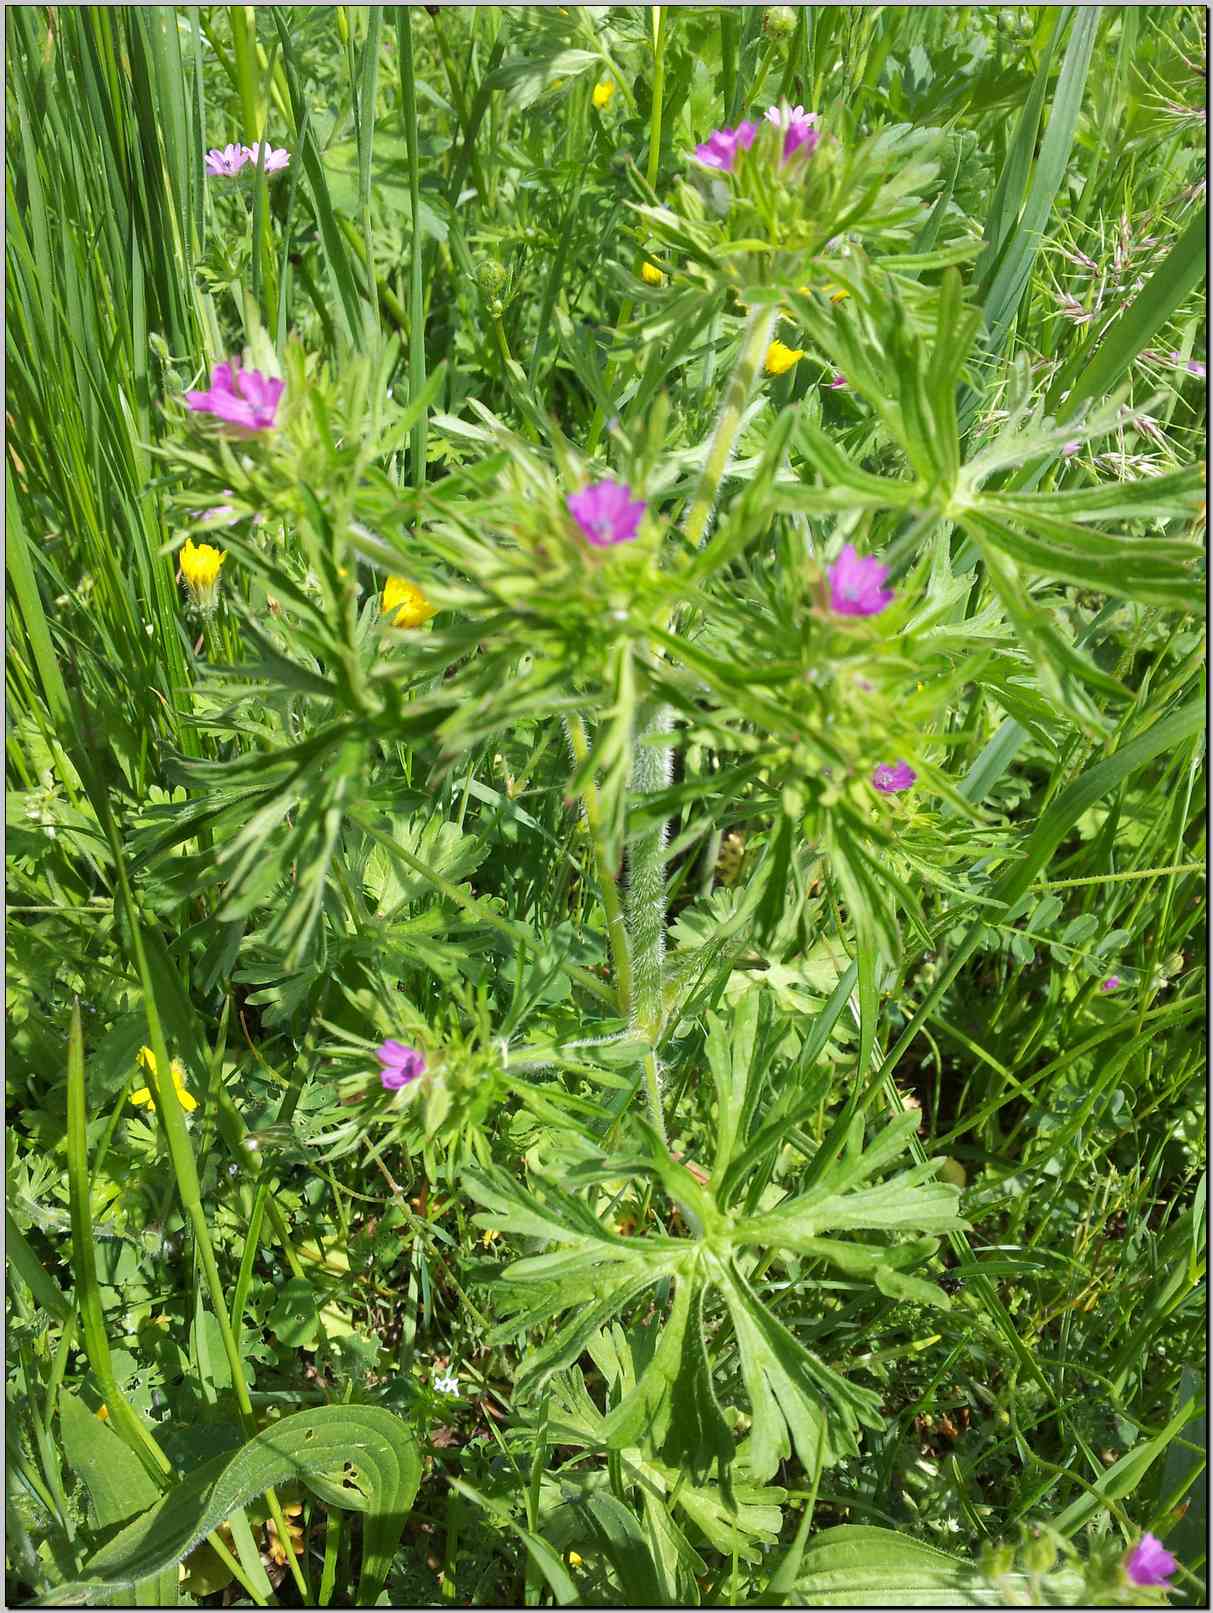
<point>837,383</point>
<point>606,513</point>
<point>245,399</point>
<point>800,129</point>
<point>857,584</point>
<point>890,777</point>
<point>719,150</point>
<point>276,158</point>
<point>1110,984</point>
<point>227,163</point>
<point>1149,1563</point>
<point>401,1064</point>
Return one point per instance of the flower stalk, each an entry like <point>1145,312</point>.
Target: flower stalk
<point>652,765</point>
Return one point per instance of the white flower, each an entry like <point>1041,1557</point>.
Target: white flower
<point>783,117</point>
<point>447,1386</point>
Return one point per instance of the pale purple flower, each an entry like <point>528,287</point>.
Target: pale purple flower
<point>1069,449</point>
<point>890,777</point>
<point>857,584</point>
<point>401,1064</point>
<point>1110,984</point>
<point>719,150</point>
<point>800,128</point>
<point>1149,1563</point>
<point>226,164</point>
<point>245,399</point>
<point>275,158</point>
<point>606,513</point>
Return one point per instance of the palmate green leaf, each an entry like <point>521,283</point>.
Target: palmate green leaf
<point>744,1521</point>
<point>359,1457</point>
<point>1152,571</point>
<point>791,1391</point>
<point>545,1559</point>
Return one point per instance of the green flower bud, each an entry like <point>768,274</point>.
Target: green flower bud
<point>779,21</point>
<point>1040,1554</point>
<point>997,1560</point>
<point>491,277</point>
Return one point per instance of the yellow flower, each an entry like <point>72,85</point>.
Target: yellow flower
<point>103,1412</point>
<point>576,1559</point>
<point>603,91</point>
<point>781,358</point>
<point>406,599</point>
<point>651,275</point>
<point>491,1235</point>
<point>200,563</point>
<point>837,293</point>
<point>144,1094</point>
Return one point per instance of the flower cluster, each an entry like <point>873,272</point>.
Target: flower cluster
<point>227,163</point>
<point>720,149</point>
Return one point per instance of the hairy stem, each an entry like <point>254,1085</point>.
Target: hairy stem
<point>652,765</point>
<point>617,935</point>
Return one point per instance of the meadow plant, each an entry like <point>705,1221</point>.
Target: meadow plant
<point>631,869</point>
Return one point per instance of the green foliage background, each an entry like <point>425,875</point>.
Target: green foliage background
<point>795,1212</point>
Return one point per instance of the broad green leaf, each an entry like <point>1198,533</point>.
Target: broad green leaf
<point>856,1564</point>
<point>361,1457</point>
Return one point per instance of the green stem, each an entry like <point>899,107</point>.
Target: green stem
<point>172,1119</point>
<point>655,114</point>
<point>408,104</point>
<point>617,935</point>
<point>126,1422</point>
<point>651,765</point>
<point>754,343</point>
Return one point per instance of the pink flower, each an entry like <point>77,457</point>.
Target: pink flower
<point>890,777</point>
<point>245,399</point>
<point>837,383</point>
<point>227,163</point>
<point>857,584</point>
<point>1069,449</point>
<point>800,126</point>
<point>1110,984</point>
<point>606,513</point>
<point>719,150</point>
<point>275,159</point>
<point>1149,1563</point>
<point>401,1064</point>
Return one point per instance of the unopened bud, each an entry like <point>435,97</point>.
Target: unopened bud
<point>779,21</point>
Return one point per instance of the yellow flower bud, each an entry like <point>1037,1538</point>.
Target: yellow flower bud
<point>200,563</point>
<point>651,275</point>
